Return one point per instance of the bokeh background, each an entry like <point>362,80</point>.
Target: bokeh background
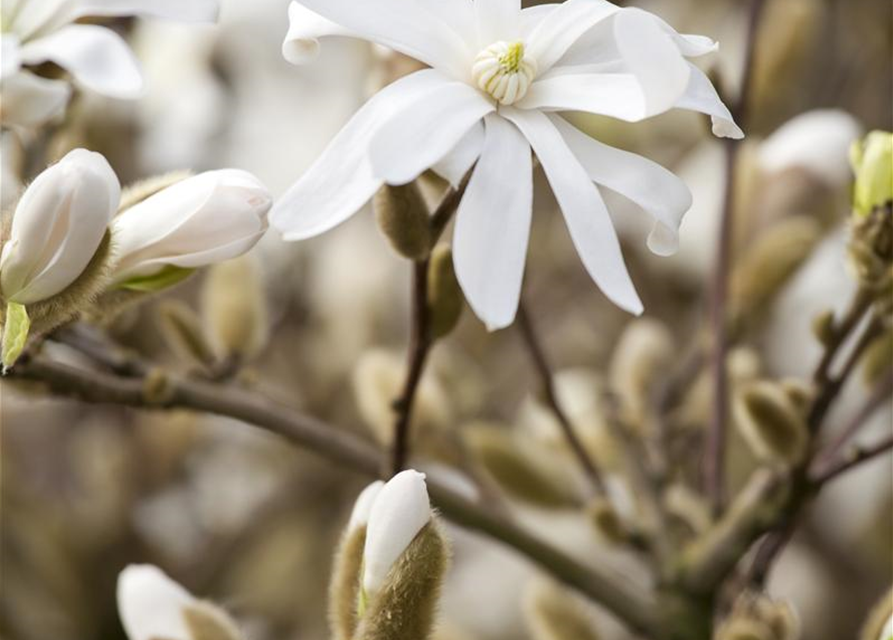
<point>238,516</point>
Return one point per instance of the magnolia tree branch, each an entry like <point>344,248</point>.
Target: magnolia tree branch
<point>541,363</point>
<point>632,605</point>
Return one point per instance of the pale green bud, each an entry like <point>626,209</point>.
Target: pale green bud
<point>824,327</point>
<point>234,307</point>
<point>771,423</point>
<point>404,219</point>
<point>554,613</point>
<point>872,160</point>
<point>445,300</point>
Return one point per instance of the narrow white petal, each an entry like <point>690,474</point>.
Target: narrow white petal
<point>454,165</point>
<point>400,511</point>
<point>532,16</point>
<point>30,101</point>
<point>97,58</point>
<point>493,225</point>
<point>420,135</point>
<point>10,62</point>
<point>584,210</point>
<point>559,29</point>
<point>700,96</point>
<point>408,26</point>
<point>497,20</point>
<point>618,95</point>
<point>341,181</point>
<point>359,517</point>
<point>305,29</point>
<point>646,183</point>
<point>151,605</point>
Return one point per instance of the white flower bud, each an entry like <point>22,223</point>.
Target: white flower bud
<point>400,510</point>
<point>359,517</point>
<point>209,218</point>
<point>151,605</point>
<point>58,226</point>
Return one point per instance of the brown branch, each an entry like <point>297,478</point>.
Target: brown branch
<point>856,457</point>
<point>447,207</point>
<point>714,460</point>
<point>541,364</point>
<point>629,603</point>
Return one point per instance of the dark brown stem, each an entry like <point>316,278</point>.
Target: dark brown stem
<point>714,460</point>
<point>541,364</point>
<point>852,459</point>
<point>447,207</point>
<point>419,347</point>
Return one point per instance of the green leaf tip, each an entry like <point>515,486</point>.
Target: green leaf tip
<point>16,328</point>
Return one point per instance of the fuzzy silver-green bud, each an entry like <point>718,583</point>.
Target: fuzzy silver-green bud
<point>771,423</point>
<point>872,160</point>
<point>235,308</point>
<point>445,300</point>
<point>404,219</point>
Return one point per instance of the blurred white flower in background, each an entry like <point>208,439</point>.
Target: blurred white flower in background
<point>39,31</point>
<point>492,108</point>
<point>201,220</point>
<point>57,227</point>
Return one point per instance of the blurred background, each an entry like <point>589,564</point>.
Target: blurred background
<point>237,516</point>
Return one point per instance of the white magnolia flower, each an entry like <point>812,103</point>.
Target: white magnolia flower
<point>398,512</point>
<point>500,76</point>
<point>359,517</point>
<point>57,227</point>
<point>38,31</point>
<point>205,219</point>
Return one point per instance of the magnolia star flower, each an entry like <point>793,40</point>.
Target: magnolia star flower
<point>39,31</point>
<point>499,80</point>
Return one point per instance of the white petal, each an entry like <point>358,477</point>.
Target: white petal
<point>618,95</point>
<point>400,511</point>
<point>97,58</point>
<point>305,28</point>
<point>532,16</point>
<point>10,62</point>
<point>646,183</point>
<point>497,20</point>
<point>584,210</point>
<point>340,182</point>
<point>407,26</point>
<point>151,605</point>
<point>57,226</point>
<point>30,101</point>
<point>652,56</point>
<point>700,96</point>
<point>359,517</point>
<point>417,137</point>
<point>26,18</point>
<point>493,225</point>
<point>454,165</point>
<point>559,29</point>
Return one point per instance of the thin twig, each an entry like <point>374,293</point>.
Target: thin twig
<point>541,363</point>
<point>629,603</point>
<point>447,207</point>
<point>854,458</point>
<point>714,461</point>
<point>419,347</point>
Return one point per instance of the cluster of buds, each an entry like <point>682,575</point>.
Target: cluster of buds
<point>70,248</point>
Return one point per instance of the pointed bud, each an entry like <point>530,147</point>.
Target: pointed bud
<point>607,521</point>
<point>209,218</point>
<point>645,349</point>
<point>399,512</point>
<point>57,228</point>
<point>553,613</point>
<point>445,300</point>
<point>183,332</point>
<point>872,160</point>
<point>344,588</point>
<point>878,359</point>
<point>758,617</point>
<point>153,606</point>
<point>157,389</point>
<point>234,308</point>
<point>404,219</point>
<point>771,423</point>
<point>824,327</point>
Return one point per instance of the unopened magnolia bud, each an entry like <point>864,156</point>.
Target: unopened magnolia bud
<point>758,617</point>
<point>878,359</point>
<point>344,588</point>
<point>209,218</point>
<point>157,388</point>
<point>607,521</point>
<point>872,160</point>
<point>644,352</point>
<point>688,506</point>
<point>771,423</point>
<point>184,333</point>
<point>399,512</point>
<point>404,219</point>
<point>744,629</point>
<point>519,467</point>
<point>234,307</point>
<point>554,613</point>
<point>405,605</point>
<point>139,191</point>
<point>871,250</point>
<point>152,606</point>
<point>445,300</point>
<point>879,625</point>
<point>770,262</point>
<point>824,327</point>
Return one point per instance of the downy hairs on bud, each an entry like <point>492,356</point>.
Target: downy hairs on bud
<point>445,300</point>
<point>234,308</point>
<point>404,219</point>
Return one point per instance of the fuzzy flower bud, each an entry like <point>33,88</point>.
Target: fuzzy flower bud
<point>57,227</point>
<point>209,218</point>
<point>445,300</point>
<point>403,218</point>
<point>771,422</point>
<point>872,160</point>
<point>153,606</point>
<point>400,510</point>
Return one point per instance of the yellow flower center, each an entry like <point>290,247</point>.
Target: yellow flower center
<point>505,71</point>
